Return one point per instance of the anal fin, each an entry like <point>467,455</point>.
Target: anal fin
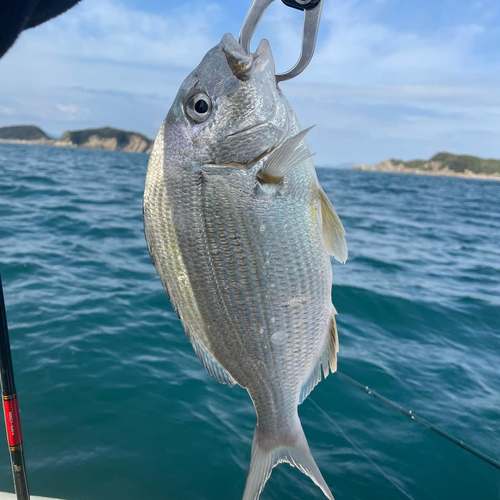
<point>214,369</point>
<point>327,361</point>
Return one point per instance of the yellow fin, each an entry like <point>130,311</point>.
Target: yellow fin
<point>327,361</point>
<point>333,230</point>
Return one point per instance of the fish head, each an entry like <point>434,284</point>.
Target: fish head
<point>229,110</point>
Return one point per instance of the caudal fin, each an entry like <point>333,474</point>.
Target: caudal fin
<point>294,451</point>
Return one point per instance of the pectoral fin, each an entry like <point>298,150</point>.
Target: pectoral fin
<point>290,154</point>
<point>333,230</point>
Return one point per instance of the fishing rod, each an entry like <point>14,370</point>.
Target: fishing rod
<point>11,408</point>
<point>420,420</point>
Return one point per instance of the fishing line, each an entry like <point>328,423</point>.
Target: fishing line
<point>360,450</point>
<point>422,421</point>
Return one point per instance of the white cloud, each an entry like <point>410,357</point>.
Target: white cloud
<point>374,88</point>
<point>102,44</point>
<point>71,109</point>
<point>356,48</point>
<point>108,31</point>
<point>119,66</point>
<point>4,110</point>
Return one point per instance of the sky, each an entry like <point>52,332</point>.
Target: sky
<point>390,78</point>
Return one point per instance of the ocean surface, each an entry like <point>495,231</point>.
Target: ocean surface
<point>115,404</point>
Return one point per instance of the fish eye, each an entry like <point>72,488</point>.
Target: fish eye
<point>199,107</point>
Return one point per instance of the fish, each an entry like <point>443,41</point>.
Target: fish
<point>241,233</point>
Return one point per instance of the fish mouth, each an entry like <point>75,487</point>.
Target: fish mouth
<point>243,64</point>
<point>239,61</point>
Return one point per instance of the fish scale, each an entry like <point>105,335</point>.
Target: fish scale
<point>240,233</point>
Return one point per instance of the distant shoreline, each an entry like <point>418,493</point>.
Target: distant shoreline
<point>468,175</point>
<point>442,165</point>
<point>103,139</point>
<point>55,143</point>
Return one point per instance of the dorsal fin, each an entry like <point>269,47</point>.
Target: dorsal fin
<point>333,230</point>
<point>291,153</point>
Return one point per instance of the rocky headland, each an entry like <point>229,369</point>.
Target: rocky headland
<point>105,138</point>
<point>444,164</point>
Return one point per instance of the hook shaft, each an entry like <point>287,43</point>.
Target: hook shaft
<point>312,16</point>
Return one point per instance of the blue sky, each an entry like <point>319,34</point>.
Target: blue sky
<point>390,78</point>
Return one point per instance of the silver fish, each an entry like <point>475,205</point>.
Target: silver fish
<point>240,233</point>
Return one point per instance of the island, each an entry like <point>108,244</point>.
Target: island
<point>444,164</point>
<point>104,138</point>
<point>25,132</point>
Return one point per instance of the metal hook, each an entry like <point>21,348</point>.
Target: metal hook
<point>312,15</point>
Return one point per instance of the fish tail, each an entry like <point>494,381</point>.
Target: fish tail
<point>291,448</point>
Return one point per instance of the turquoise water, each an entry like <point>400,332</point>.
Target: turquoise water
<point>115,404</point>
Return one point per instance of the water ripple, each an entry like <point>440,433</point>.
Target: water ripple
<point>116,405</point>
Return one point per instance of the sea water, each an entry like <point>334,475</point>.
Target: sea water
<point>115,404</point>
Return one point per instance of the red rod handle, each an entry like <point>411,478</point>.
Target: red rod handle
<point>11,408</point>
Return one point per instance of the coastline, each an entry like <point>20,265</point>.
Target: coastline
<point>435,173</point>
<point>95,145</point>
